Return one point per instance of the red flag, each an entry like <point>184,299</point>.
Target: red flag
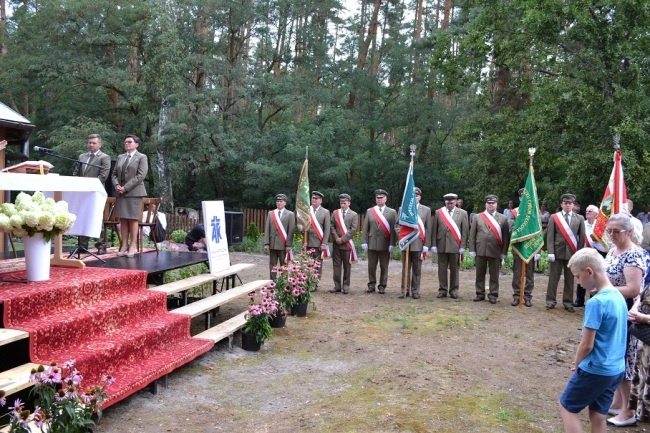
<point>614,200</point>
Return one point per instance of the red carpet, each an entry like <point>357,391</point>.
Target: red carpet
<point>104,319</point>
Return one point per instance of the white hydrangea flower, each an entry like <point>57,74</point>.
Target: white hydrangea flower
<point>61,206</point>
<point>45,222</point>
<point>31,218</point>
<point>16,221</point>
<point>49,202</point>
<point>63,221</point>
<point>38,197</point>
<point>5,225</point>
<point>8,209</point>
<point>35,212</point>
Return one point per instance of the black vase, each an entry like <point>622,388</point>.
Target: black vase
<point>278,321</point>
<point>300,310</point>
<point>249,342</point>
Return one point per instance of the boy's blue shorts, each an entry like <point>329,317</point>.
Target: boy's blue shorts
<point>593,390</point>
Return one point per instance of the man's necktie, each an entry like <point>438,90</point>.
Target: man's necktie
<point>566,218</point>
<point>344,213</point>
<point>85,167</point>
<point>280,214</point>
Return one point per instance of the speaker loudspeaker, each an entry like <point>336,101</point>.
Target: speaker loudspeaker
<point>234,227</point>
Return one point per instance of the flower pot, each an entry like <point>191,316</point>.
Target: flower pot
<point>37,257</point>
<point>278,321</point>
<point>249,342</point>
<point>300,310</point>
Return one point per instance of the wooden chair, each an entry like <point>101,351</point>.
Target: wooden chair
<point>149,213</point>
<point>110,218</point>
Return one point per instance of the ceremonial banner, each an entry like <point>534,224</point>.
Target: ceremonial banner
<point>303,200</point>
<point>408,217</point>
<point>527,236</point>
<point>614,200</point>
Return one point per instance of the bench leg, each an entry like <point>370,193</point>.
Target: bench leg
<point>208,317</point>
<point>231,339</point>
<point>154,387</point>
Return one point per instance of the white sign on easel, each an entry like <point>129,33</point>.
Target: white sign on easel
<point>214,221</point>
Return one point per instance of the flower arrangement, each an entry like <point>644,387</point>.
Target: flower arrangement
<point>32,214</point>
<point>258,315</point>
<point>296,280</point>
<point>60,405</point>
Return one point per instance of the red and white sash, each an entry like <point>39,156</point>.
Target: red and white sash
<point>494,226</point>
<point>514,213</point>
<point>282,233</point>
<point>564,228</point>
<point>423,237</point>
<point>316,225</point>
<point>381,220</point>
<point>340,224</point>
<point>443,213</point>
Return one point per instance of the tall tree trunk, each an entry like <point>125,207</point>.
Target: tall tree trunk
<point>363,53</point>
<point>3,27</point>
<point>447,16</point>
<point>419,6</point>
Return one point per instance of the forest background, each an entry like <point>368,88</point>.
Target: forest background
<point>228,94</point>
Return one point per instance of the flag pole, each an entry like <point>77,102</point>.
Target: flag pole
<point>305,241</point>
<point>405,266</point>
<point>522,280</point>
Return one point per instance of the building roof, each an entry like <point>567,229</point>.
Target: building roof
<point>11,119</point>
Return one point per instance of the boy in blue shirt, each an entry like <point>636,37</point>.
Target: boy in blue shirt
<point>599,364</point>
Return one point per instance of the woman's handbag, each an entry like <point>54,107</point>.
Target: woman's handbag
<point>641,330</point>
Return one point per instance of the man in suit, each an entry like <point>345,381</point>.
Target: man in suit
<point>417,249</point>
<point>343,226</point>
<point>278,234</point>
<point>378,238</point>
<point>448,240</point>
<point>489,239</point>
<point>317,234</point>
<point>100,168</point>
<point>565,235</point>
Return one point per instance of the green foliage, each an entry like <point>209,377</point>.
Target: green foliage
<point>178,236</point>
<point>253,232</point>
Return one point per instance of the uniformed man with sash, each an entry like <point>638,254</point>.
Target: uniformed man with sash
<point>343,227</point>
<point>317,235</point>
<point>378,238</point>
<point>418,249</point>
<point>565,234</point>
<point>448,240</point>
<point>278,233</point>
<point>489,238</point>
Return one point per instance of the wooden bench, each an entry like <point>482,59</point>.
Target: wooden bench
<point>224,329</point>
<point>205,305</point>
<point>10,335</point>
<point>17,378</point>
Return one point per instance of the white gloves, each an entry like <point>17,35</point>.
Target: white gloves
<point>461,251</point>
<point>425,250</point>
<point>551,257</point>
<point>503,262</point>
<point>503,257</point>
<point>538,256</point>
<point>391,248</point>
<point>434,250</point>
<point>472,254</point>
<point>364,247</point>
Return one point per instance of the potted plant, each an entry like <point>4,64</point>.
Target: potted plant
<point>295,282</point>
<point>61,404</point>
<point>37,220</point>
<point>257,328</point>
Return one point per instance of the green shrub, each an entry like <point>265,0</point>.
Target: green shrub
<point>178,236</point>
<point>253,233</point>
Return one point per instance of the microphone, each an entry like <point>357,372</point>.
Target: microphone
<point>42,149</point>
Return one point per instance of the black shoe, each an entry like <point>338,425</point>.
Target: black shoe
<point>528,303</point>
<point>493,300</point>
<point>401,296</point>
<point>370,290</point>
<point>578,303</point>
<point>334,291</point>
<point>570,309</point>
<point>346,292</point>
<point>453,295</point>
<point>382,291</point>
<point>478,298</point>
<point>441,295</point>
<point>550,305</point>
<point>408,293</point>
<point>515,302</point>
<point>416,296</point>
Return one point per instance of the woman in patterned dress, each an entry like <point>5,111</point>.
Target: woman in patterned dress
<point>626,266</point>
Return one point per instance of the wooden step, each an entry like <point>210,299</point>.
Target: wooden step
<point>211,302</point>
<point>224,329</point>
<point>197,280</point>
<point>17,378</point>
<point>10,335</point>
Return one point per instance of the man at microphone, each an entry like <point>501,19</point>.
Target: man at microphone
<point>82,168</point>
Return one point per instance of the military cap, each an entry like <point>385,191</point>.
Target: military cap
<point>450,196</point>
<point>418,191</point>
<point>521,191</point>
<point>491,198</point>
<point>317,194</point>
<point>345,197</point>
<point>568,197</point>
<point>281,197</point>
<point>381,192</point>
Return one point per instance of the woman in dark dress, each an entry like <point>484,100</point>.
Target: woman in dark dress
<point>128,181</point>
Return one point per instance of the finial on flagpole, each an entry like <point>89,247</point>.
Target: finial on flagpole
<point>531,152</point>
<point>412,147</point>
<point>617,142</point>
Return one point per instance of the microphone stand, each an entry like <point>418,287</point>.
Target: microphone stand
<point>79,249</point>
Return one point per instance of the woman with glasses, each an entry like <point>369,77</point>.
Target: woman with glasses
<point>626,267</point>
<point>128,182</point>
